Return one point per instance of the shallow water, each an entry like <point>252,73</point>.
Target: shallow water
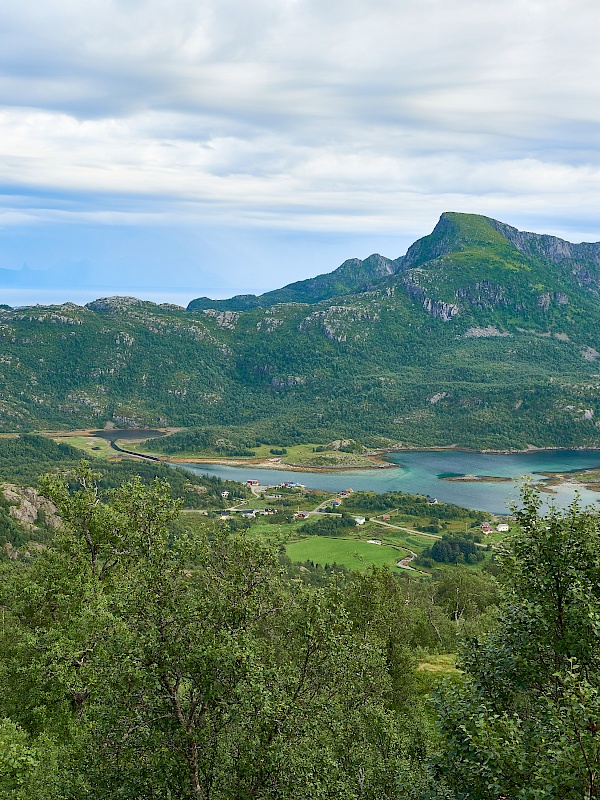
<point>127,433</point>
<point>422,472</point>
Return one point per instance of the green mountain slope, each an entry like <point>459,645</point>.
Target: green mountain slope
<point>481,336</point>
<point>353,275</point>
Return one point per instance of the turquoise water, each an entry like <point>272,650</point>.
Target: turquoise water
<point>421,473</point>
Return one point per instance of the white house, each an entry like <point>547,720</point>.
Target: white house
<point>503,528</point>
<point>360,520</point>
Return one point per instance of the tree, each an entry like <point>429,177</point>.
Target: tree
<point>190,666</point>
<point>526,721</point>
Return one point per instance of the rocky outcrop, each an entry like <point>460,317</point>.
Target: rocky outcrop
<point>439,309</point>
<point>224,319</point>
<point>549,247</point>
<point>117,303</point>
<point>484,294</point>
<point>26,505</point>
<point>484,333</point>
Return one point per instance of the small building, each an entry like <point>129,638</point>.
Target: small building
<point>503,527</point>
<point>360,520</point>
<point>336,503</point>
<point>386,518</point>
<point>249,514</point>
<point>225,515</point>
<point>374,541</point>
<point>433,501</point>
<point>301,515</point>
<point>486,528</point>
<point>274,496</point>
<point>252,482</point>
<point>225,494</point>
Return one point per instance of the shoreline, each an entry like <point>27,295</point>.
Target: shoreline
<point>278,464</point>
<point>376,458</point>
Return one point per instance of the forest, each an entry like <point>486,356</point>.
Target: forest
<point>139,663</point>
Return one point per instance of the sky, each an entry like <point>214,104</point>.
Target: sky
<point>215,147</point>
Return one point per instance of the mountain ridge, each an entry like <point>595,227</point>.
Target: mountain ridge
<point>356,275</point>
<point>480,335</point>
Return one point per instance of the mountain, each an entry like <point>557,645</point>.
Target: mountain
<point>352,276</point>
<point>480,335</point>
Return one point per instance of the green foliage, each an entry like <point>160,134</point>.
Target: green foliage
<point>525,722</point>
<point>24,458</point>
<point>195,667</point>
<point>10,531</point>
<point>513,366</point>
<point>409,505</point>
<point>329,525</point>
<point>454,550</point>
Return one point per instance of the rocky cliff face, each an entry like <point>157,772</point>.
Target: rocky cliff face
<point>26,505</point>
<point>549,247</point>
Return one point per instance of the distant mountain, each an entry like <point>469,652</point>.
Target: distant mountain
<point>354,275</point>
<point>481,336</point>
<point>63,275</point>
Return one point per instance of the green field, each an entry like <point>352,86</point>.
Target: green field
<point>350,553</point>
<point>92,446</point>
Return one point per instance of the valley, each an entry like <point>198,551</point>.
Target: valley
<point>261,529</point>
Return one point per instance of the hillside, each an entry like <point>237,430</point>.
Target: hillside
<point>481,336</point>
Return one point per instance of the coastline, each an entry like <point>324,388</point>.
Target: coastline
<point>278,463</point>
<point>375,460</point>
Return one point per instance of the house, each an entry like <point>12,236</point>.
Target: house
<point>249,514</point>
<point>374,541</point>
<point>386,518</point>
<point>274,496</point>
<point>433,501</point>
<point>486,528</point>
<point>301,515</point>
<point>225,515</point>
<point>225,494</point>
<point>252,483</point>
<point>503,528</point>
<point>336,503</point>
<point>360,520</point>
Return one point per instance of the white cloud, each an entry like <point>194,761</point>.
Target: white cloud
<point>353,115</point>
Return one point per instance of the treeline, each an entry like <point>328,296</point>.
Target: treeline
<point>24,458</point>
<point>410,505</point>
<point>452,550</point>
<point>222,442</point>
<point>329,525</point>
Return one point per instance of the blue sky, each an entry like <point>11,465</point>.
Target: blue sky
<point>220,146</point>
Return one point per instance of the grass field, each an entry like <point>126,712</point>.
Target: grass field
<point>350,553</point>
<point>300,455</point>
<point>91,445</point>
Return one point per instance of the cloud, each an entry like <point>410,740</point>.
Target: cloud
<point>296,115</point>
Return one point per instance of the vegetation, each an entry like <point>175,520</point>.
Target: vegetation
<point>24,458</point>
<point>478,337</point>
<point>137,663</point>
<point>411,505</point>
<point>329,525</point>
<point>524,722</point>
<point>453,550</point>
